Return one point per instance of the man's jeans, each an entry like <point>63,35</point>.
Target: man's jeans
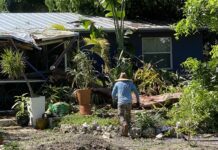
<point>124,113</point>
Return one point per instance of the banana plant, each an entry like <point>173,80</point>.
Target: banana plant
<point>116,10</point>
<point>97,38</point>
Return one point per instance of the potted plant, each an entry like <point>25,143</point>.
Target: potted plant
<point>83,77</point>
<point>13,64</point>
<point>21,106</point>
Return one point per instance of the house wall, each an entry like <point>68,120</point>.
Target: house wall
<point>185,47</point>
<point>191,46</point>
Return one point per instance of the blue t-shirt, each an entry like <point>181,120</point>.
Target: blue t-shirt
<point>122,91</point>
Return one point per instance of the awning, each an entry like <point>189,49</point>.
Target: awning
<point>36,37</point>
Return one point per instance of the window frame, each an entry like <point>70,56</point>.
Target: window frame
<point>170,51</point>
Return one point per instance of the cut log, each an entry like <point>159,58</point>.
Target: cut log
<point>158,100</point>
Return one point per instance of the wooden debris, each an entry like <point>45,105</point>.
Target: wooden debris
<point>158,100</point>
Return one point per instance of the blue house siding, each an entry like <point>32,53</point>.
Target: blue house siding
<point>184,47</point>
<point>191,46</point>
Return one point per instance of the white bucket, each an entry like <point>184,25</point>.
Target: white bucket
<point>37,108</point>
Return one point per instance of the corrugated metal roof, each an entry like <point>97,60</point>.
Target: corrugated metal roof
<point>10,22</point>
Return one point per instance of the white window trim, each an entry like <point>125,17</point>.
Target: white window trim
<point>170,52</point>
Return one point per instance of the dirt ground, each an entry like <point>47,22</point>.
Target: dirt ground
<point>29,138</point>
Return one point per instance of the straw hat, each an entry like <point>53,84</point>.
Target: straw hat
<point>123,77</point>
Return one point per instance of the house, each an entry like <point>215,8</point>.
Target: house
<point>151,42</point>
<point>47,48</point>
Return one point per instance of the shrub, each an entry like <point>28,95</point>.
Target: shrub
<point>148,80</point>
<point>197,109</point>
<point>152,81</point>
<point>55,94</point>
<point>146,120</point>
<point>204,72</point>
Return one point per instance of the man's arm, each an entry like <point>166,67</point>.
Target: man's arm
<point>134,89</point>
<point>114,92</point>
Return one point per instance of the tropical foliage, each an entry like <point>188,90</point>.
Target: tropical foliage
<point>204,72</point>
<point>13,65</point>
<point>83,72</point>
<point>197,110</point>
<point>101,47</point>
<point>56,94</point>
<point>198,107</point>
<point>21,103</point>
<point>135,9</point>
<point>198,14</point>
<point>3,6</point>
<point>89,7</point>
<point>116,10</point>
<point>146,120</point>
<point>149,80</point>
<point>97,38</point>
<point>153,81</point>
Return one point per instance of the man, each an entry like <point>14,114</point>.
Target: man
<point>122,91</point>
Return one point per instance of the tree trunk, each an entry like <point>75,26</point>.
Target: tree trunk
<point>28,85</point>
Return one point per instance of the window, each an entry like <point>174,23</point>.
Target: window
<point>158,50</point>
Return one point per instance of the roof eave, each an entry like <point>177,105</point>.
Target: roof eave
<point>135,29</point>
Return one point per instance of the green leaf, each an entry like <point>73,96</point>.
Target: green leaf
<point>121,14</point>
<point>86,23</point>
<point>128,32</point>
<point>110,14</point>
<point>120,1</point>
<point>58,27</point>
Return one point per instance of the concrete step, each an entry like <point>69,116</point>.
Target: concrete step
<point>7,118</point>
<point>5,122</point>
<point>16,127</point>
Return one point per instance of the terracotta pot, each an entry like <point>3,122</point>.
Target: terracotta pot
<point>41,123</point>
<point>85,109</point>
<point>84,96</point>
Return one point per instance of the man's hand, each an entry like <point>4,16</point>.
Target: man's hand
<point>137,104</point>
